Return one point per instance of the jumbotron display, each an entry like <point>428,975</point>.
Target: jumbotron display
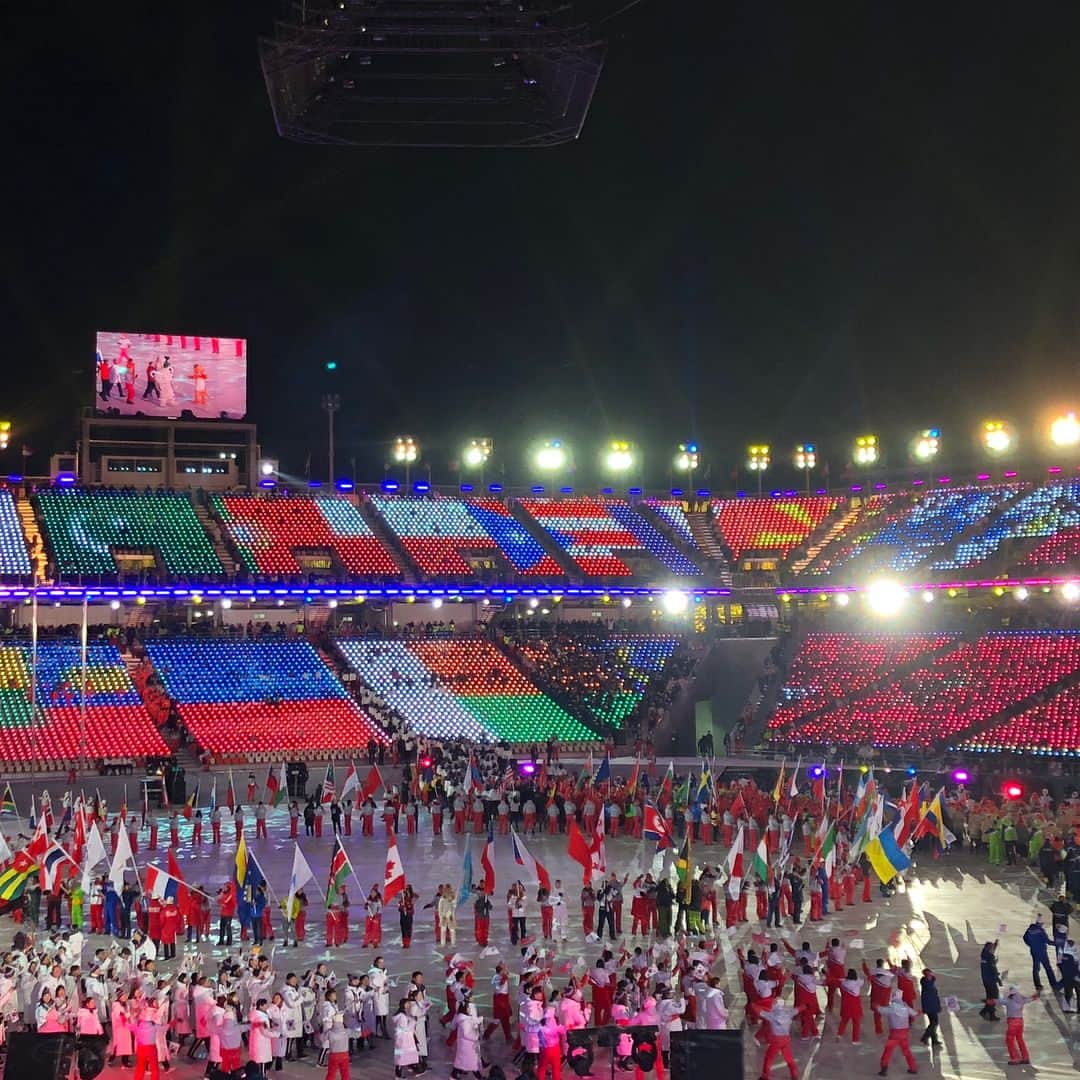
<point>168,375</point>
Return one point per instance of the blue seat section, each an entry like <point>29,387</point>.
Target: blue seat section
<point>1043,512</point>
<point>935,521</point>
<point>14,558</point>
<point>59,674</point>
<point>656,544</point>
<point>209,671</point>
<point>674,513</point>
<point>403,681</point>
<point>520,547</point>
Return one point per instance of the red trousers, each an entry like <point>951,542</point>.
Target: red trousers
<point>260,828</point>
<point>294,827</point>
<point>478,821</point>
<point>337,1066</point>
<point>174,835</point>
<point>216,831</point>
<point>1014,1039</point>
<point>815,907</point>
<point>866,888</point>
<point>153,838</point>
<point>318,824</point>
<point>550,1058</point>
<point>553,826</point>
<point>410,824</point>
<point>587,914</point>
<point>301,924</point>
<point>779,1046</point>
<point>97,918</point>
<point>368,826</point>
<point>855,1020</point>
<point>898,1040</point>
<point>196,832</point>
<point>480,928</point>
<point>146,1062</point>
<point>348,824</point>
<point>530,823</point>
<point>459,821</point>
<point>373,931</point>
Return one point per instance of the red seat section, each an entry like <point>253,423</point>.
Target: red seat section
<point>771,525</point>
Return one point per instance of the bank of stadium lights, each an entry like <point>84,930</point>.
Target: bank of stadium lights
<point>758,459</point>
<point>476,453</point>
<point>688,457</point>
<point>997,437</point>
<point>619,456</point>
<point>805,460</point>
<point>5,434</point>
<point>886,597</point>
<point>866,450</point>
<point>550,456</point>
<point>1065,430</point>
<point>925,445</point>
<point>406,450</point>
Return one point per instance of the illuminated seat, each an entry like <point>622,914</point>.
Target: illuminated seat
<point>14,557</point>
<point>770,525</point>
<point>435,532</point>
<point>268,531</point>
<point>244,697</point>
<point>461,688</point>
<point>85,527</point>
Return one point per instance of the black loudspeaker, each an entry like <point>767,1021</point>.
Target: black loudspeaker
<point>43,1057</point>
<point>698,1052</point>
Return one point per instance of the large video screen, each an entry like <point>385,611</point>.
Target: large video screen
<point>170,375</point>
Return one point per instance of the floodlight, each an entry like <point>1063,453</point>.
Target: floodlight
<point>758,457</point>
<point>476,453</point>
<point>1071,591</point>
<point>406,450</point>
<point>886,597</point>
<point>675,602</point>
<point>1065,430</point>
<point>926,444</point>
<point>687,458</point>
<point>805,457</point>
<point>866,451</point>
<point>997,437</point>
<point>551,456</point>
<point>619,456</point>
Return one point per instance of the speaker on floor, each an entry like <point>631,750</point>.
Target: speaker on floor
<point>698,1052</point>
<point>43,1057</point>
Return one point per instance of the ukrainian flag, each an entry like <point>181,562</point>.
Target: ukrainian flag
<point>885,855</point>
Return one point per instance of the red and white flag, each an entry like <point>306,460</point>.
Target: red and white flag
<point>534,869</point>
<point>394,878</point>
<point>733,864</point>
<point>352,780</point>
<point>372,783</point>
<point>488,866</point>
<point>597,853</point>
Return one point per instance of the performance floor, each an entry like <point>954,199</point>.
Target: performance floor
<point>950,908</point>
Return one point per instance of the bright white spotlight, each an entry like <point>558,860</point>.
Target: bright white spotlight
<point>620,457</point>
<point>842,599</point>
<point>332,604</point>
<point>928,596</point>
<point>477,453</point>
<point>437,602</point>
<point>1020,593</point>
<point>886,597</point>
<point>267,468</point>
<point>996,437</point>
<point>226,603</point>
<point>1065,430</point>
<point>626,601</point>
<point>534,603</point>
<point>114,604</point>
<point>675,602</point>
<point>926,445</point>
<point>551,457</point>
<point>1071,591</point>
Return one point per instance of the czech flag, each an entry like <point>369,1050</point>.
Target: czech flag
<point>534,869</point>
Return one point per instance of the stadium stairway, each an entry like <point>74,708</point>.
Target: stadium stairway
<point>35,541</point>
<point>662,526</point>
<point>212,527</point>
<point>875,510</point>
<point>705,536</point>
<point>389,539</point>
<point>541,535</point>
<point>818,543</point>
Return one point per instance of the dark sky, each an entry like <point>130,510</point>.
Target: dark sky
<point>780,222</point>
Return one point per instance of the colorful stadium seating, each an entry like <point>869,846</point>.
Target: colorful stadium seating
<point>269,531</point>
<point>965,687</point>
<point>463,688</point>
<point>117,723</point>
<point>14,557</point>
<point>609,674</point>
<point>1061,549</point>
<point>242,697</point>
<point>522,550</point>
<point>84,527</point>
<point>1050,728</point>
<point>1044,512</point>
<point>673,512</point>
<point>594,532</point>
<point>771,526</point>
<point>435,532</point>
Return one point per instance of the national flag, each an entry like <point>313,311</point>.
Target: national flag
<point>818,786</point>
<point>277,787</point>
<point>192,802</point>
<point>578,849</point>
<point>778,789</point>
<point>372,783</point>
<point>682,793</point>
<point>328,785</point>
<point>597,851</point>
<point>164,886</point>
<point>533,867</point>
<point>885,855</point>
<point>94,856</point>
<point>738,807</point>
<point>488,865</point>
<point>8,805</point>
<point>39,842</point>
<point>65,817</point>
<point>466,875</point>
<point>248,876</point>
<point>909,815</point>
<point>633,782</point>
<point>352,780</point>
<point>733,864</point>
<point>394,877</point>
<point>759,862</point>
<point>340,869</point>
<point>793,787</point>
<point>33,814</point>
<point>13,883</point>
<point>300,876</point>
<point>933,824</point>
<point>684,868</point>
<point>604,772</point>
<point>230,793</point>
<point>704,790</point>
<point>5,850</point>
<point>667,785</point>
<point>212,805</point>
<point>183,893</point>
<point>785,847</point>
<point>654,827</point>
<point>473,780</point>
<point>826,850</point>
<point>46,809</point>
<point>56,864</point>
<point>120,860</point>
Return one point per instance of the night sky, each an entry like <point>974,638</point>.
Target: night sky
<point>780,223</point>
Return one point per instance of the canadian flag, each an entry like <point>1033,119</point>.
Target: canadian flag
<point>596,852</point>
<point>733,864</point>
<point>394,878</point>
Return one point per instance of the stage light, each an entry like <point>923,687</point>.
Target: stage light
<point>961,776</point>
<point>437,603</point>
<point>477,452</point>
<point>551,456</point>
<point>406,450</point>
<point>619,457</point>
<point>226,603</point>
<point>267,467</point>
<point>911,770</point>
<point>866,450</point>
<point>687,458</point>
<point>1071,591</point>
<point>758,457</point>
<point>675,602</point>
<point>886,597</point>
<point>534,603</point>
<point>626,601</point>
<point>926,445</point>
<point>997,437</point>
<point>114,604</point>
<point>817,772</point>
<point>842,599</point>
<point>805,457</point>
<point>1020,593</point>
<point>1013,790</point>
<point>1065,430</point>
<point>527,768</point>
